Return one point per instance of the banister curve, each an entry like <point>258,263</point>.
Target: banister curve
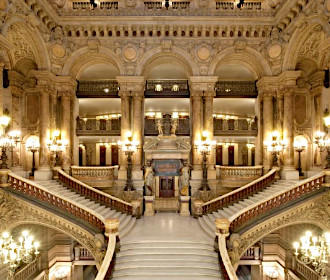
<point>103,197</point>
<point>230,197</point>
<point>298,189</point>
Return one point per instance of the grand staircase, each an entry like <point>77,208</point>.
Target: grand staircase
<point>127,222</point>
<point>167,246</point>
<point>207,222</point>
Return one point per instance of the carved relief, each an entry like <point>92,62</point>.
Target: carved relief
<point>310,48</point>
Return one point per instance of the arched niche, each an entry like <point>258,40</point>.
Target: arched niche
<point>24,65</point>
<point>98,71</point>
<point>235,72</point>
<point>166,67</point>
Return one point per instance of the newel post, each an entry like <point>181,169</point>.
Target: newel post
<point>4,178</point>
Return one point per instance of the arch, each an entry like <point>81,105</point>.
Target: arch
<point>298,40</point>
<point>33,38</point>
<point>178,54</point>
<point>250,58</point>
<point>83,58</point>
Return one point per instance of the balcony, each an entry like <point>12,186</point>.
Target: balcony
<point>167,88</point>
<point>230,5</point>
<point>85,5</point>
<point>98,127</point>
<point>158,5</point>
<point>150,126</point>
<point>97,89</point>
<point>235,127</point>
<point>239,89</point>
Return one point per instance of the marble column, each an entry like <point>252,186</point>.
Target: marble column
<point>125,126</point>
<point>137,128</point>
<point>75,139</point>
<point>288,128</point>
<point>267,126</point>
<point>2,65</point>
<point>259,140</point>
<point>196,127</point>
<point>66,131</point>
<point>208,124</point>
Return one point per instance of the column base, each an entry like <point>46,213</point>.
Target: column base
<point>43,174</point>
<point>149,206</point>
<point>289,173</point>
<point>184,206</point>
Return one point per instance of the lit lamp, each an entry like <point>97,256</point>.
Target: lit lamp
<point>204,146</point>
<point>275,146</point>
<point>56,145</point>
<point>129,146</point>
<point>314,251</point>
<point>299,147</point>
<point>323,143</point>
<point>32,145</point>
<point>326,120</point>
<point>14,253</point>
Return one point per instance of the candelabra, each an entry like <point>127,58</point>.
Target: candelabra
<point>326,120</point>
<point>56,145</point>
<point>299,147</point>
<point>314,251</point>
<point>275,146</point>
<point>129,146</point>
<point>204,146</point>
<point>14,254</point>
<point>323,143</point>
<point>32,145</point>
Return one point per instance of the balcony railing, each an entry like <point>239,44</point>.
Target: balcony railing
<point>97,89</point>
<point>159,5</point>
<point>246,172</point>
<point>230,5</point>
<point>238,127</point>
<point>85,5</point>
<point>183,129</point>
<point>82,254</point>
<point>94,127</point>
<point>253,253</point>
<point>94,172</point>
<point>29,270</point>
<point>167,88</point>
<point>236,89</point>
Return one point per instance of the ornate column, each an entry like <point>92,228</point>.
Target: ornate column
<point>66,88</point>
<point>259,141</point>
<point>132,93</point>
<point>288,84</point>
<point>267,89</point>
<point>196,100</point>
<point>2,65</point>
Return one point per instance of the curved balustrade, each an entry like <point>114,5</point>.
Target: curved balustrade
<point>94,194</point>
<point>107,172</point>
<point>239,194</point>
<point>256,210</point>
<point>239,171</point>
<point>40,193</point>
<point>28,270</point>
<point>306,271</point>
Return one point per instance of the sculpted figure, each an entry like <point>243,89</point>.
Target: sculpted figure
<point>184,179</point>
<point>148,179</point>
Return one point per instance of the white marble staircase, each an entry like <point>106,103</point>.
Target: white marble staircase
<point>127,222</point>
<point>207,222</point>
<point>167,246</point>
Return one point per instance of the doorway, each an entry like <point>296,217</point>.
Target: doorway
<point>103,151</point>
<point>80,156</point>
<point>219,155</point>
<point>114,155</point>
<point>231,155</point>
<point>166,186</point>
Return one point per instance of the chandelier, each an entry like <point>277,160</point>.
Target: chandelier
<point>314,251</point>
<point>14,253</point>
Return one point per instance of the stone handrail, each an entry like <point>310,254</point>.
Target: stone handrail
<point>34,190</point>
<point>239,194</point>
<point>291,276</point>
<point>239,171</point>
<point>28,270</point>
<point>94,171</point>
<point>306,271</point>
<point>81,253</point>
<point>94,194</point>
<point>253,253</point>
<point>227,270</point>
<point>257,209</point>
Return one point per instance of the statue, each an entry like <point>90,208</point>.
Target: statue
<point>159,127</point>
<point>149,179</point>
<point>184,179</point>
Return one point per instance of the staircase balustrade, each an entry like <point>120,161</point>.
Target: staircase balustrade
<point>81,253</point>
<point>253,253</point>
<point>239,194</point>
<point>104,172</point>
<point>34,190</point>
<point>256,210</point>
<point>28,270</point>
<point>239,171</point>
<point>94,194</point>
<point>306,272</point>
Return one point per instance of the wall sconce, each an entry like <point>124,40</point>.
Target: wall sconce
<point>250,146</point>
<point>158,87</point>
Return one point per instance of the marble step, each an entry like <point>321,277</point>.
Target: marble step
<point>165,277</point>
<point>165,250</point>
<point>165,263</point>
<point>169,244</point>
<point>169,271</point>
<point>123,231</point>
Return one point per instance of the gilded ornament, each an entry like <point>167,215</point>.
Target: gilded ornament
<point>275,50</point>
<point>203,53</point>
<point>58,51</point>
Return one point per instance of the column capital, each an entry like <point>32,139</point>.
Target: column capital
<point>66,86</point>
<point>202,85</point>
<point>289,78</point>
<point>267,86</point>
<point>131,85</point>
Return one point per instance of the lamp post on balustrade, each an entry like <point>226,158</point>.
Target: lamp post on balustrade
<point>56,145</point>
<point>129,146</point>
<point>299,147</point>
<point>32,145</point>
<point>204,146</point>
<point>326,120</point>
<point>275,146</point>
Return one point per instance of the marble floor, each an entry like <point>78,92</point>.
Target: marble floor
<point>167,227</point>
